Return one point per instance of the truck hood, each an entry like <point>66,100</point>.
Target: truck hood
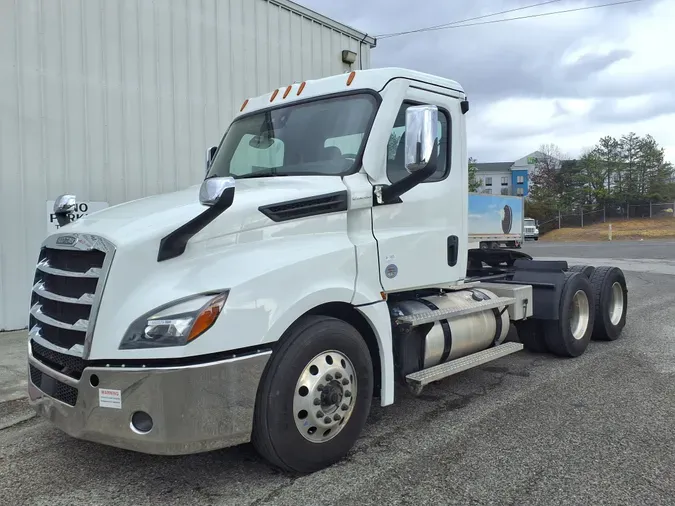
<point>151,218</point>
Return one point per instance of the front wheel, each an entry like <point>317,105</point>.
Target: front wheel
<point>315,396</point>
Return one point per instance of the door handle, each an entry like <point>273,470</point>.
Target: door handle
<point>453,250</point>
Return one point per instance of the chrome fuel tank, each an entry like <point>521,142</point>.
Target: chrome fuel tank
<point>460,336</point>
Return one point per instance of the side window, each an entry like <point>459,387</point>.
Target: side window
<point>396,147</point>
<point>247,160</point>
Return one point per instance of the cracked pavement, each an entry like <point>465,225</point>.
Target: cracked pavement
<point>523,430</point>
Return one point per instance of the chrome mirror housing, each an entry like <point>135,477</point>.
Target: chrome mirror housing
<point>64,204</point>
<point>421,132</point>
<point>215,190</point>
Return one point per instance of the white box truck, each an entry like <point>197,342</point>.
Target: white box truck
<point>495,221</point>
<point>308,274</point>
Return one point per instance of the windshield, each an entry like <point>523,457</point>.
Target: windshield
<point>529,223</point>
<point>321,137</point>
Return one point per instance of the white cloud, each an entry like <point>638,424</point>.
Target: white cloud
<point>567,79</point>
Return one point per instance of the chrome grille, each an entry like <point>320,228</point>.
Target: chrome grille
<point>69,365</point>
<point>69,279</point>
<point>53,387</point>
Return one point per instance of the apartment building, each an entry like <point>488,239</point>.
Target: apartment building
<point>507,178</point>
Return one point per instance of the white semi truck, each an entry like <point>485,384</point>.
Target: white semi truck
<point>531,229</point>
<point>308,275</point>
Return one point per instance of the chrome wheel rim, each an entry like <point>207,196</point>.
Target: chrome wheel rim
<point>580,314</point>
<point>325,396</point>
<point>616,304</point>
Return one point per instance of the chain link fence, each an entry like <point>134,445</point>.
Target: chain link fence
<point>587,215</point>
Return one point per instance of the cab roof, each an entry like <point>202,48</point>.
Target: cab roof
<point>372,79</point>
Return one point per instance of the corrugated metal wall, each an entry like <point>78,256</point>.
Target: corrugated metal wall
<point>115,100</point>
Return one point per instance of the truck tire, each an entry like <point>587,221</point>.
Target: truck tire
<point>531,336</point>
<point>611,303</point>
<point>586,270</point>
<point>507,221</point>
<point>308,414</point>
<point>569,335</point>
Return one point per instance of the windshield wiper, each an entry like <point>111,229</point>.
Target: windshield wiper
<point>262,173</point>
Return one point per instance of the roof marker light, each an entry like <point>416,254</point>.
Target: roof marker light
<point>288,90</point>
<point>274,95</point>
<point>351,77</point>
<point>243,105</point>
<point>302,87</point>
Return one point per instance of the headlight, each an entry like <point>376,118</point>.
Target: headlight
<point>175,324</point>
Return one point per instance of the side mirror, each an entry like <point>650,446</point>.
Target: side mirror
<point>210,153</point>
<point>421,152</point>
<point>217,192</point>
<point>421,132</point>
<point>63,206</point>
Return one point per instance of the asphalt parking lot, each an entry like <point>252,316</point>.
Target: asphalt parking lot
<point>527,429</point>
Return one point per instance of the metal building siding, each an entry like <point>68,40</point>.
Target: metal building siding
<point>114,100</point>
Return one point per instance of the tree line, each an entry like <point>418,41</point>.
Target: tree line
<point>630,169</point>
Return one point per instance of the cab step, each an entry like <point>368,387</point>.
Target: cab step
<point>450,313</point>
<point>419,379</point>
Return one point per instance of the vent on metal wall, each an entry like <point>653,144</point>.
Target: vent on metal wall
<point>306,207</point>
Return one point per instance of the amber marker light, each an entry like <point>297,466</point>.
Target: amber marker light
<point>207,316</point>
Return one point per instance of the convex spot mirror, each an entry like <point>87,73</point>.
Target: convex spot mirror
<point>210,154</point>
<point>421,137</point>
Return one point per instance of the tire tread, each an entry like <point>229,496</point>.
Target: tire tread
<point>261,437</point>
<point>598,279</point>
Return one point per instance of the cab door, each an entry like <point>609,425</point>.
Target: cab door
<point>421,239</point>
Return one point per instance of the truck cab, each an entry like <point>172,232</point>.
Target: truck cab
<point>531,229</point>
<point>323,259</point>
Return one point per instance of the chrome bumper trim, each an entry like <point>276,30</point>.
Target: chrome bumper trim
<point>194,408</point>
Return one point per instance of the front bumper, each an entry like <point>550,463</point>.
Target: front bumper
<point>194,408</point>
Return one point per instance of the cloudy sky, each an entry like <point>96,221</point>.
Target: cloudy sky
<point>566,79</point>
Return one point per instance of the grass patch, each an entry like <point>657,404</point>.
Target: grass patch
<point>622,230</point>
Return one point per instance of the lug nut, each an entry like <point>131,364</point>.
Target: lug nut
<point>348,393</point>
<point>345,381</point>
<point>319,388</point>
<point>319,414</point>
<point>317,402</point>
<point>329,377</point>
<point>338,375</point>
<point>336,417</point>
<point>345,407</point>
<point>326,420</point>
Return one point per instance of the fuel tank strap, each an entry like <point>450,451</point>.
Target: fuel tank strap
<point>480,296</point>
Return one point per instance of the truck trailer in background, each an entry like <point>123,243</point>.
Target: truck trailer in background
<point>116,99</point>
<point>495,221</point>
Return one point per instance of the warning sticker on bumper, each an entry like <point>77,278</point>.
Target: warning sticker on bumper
<point>109,398</point>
